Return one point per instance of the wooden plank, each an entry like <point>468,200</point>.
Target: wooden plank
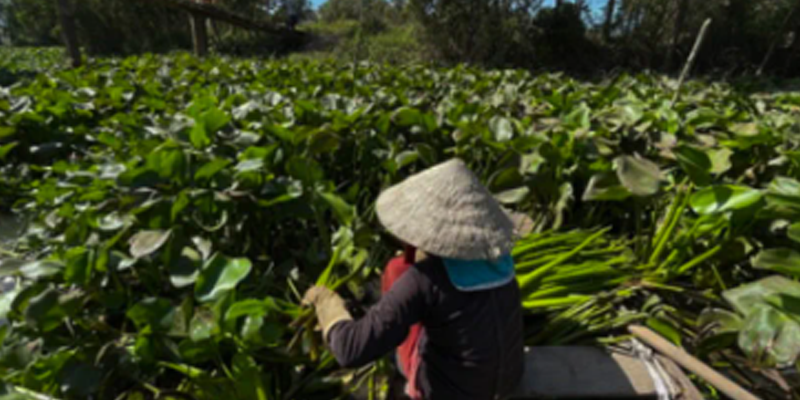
<point>686,360</point>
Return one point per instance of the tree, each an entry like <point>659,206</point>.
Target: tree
<point>609,21</point>
<point>66,17</point>
<point>680,19</point>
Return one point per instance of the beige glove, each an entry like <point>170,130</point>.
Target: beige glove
<point>329,307</point>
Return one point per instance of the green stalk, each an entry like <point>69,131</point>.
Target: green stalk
<point>540,272</point>
<point>699,259</point>
<point>674,216</point>
<point>571,237</point>
<point>557,302</point>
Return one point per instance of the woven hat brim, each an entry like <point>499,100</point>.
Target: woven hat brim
<point>448,213</point>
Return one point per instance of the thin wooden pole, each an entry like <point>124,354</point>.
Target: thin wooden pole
<point>691,363</point>
<point>690,61</point>
<point>69,32</point>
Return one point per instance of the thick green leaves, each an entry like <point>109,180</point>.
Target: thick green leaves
<point>145,243</point>
<point>41,269</point>
<point>219,275</point>
<point>206,125</point>
<point>785,261</point>
<point>153,313</point>
<point>605,187</point>
<point>407,116</point>
<point>344,212</point>
<point>641,177</point>
<point>785,193</point>
<point>44,311</point>
<point>6,148</point>
<point>794,232</point>
<point>723,198</point>
<point>770,332</point>
<point>211,168</point>
<point>305,170</point>
<point>184,271</point>
<point>203,325</point>
<point>695,162</point>
<point>513,196</point>
<point>80,263</point>
<point>501,129</point>
<point>80,379</point>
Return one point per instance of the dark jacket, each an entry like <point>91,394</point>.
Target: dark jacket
<point>473,342</point>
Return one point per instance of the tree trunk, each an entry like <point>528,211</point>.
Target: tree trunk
<point>199,35</point>
<point>610,10</point>
<point>680,19</point>
<point>68,31</point>
<point>778,36</point>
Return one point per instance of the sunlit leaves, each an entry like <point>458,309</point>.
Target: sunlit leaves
<point>145,243</point>
<point>723,198</point>
<point>641,177</point>
<point>219,275</point>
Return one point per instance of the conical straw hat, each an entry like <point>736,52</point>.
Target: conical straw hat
<point>446,211</point>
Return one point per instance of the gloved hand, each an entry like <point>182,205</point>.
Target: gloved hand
<point>329,306</point>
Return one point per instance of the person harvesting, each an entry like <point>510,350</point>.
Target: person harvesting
<point>455,317</point>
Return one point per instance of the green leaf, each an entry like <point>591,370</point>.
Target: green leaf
<point>407,116</point>
<point>79,265</point>
<point>745,297</point>
<point>219,275</point>
<point>198,136</point>
<point>345,213</point>
<point>203,325</point>
<point>665,329</point>
<point>723,198</point>
<point>513,196</point>
<point>605,187</point>
<point>501,128</point>
<point>406,158</point>
<point>145,243</point>
<point>784,192</point>
<point>579,118</point>
<point>794,232</point>
<point>10,267</point>
<point>44,311</point>
<point>182,201</point>
<point>41,269</point>
<point>153,312</point>
<point>720,160</point>
<point>7,131</point>
<point>695,163</point>
<point>80,379</point>
<point>249,307</point>
<point>323,142</point>
<point>5,149</point>
<point>785,261</point>
<point>185,270</point>
<point>211,168</point>
<point>305,170</point>
<point>720,321</point>
<point>215,119</point>
<point>6,299</point>
<point>641,177</point>
<point>770,337</point>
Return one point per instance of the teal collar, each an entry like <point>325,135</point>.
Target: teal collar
<point>477,275</point>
